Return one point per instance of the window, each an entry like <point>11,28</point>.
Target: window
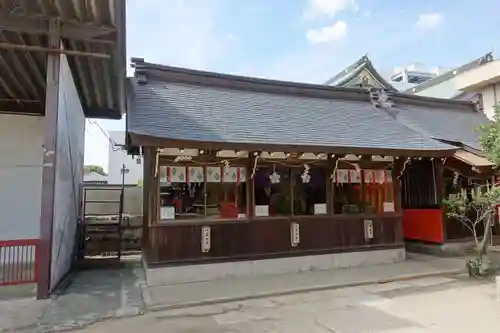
<point>280,191</point>
<point>191,192</point>
<point>349,197</point>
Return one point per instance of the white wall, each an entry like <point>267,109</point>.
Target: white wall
<point>491,97</point>
<point>21,141</point>
<point>118,157</point>
<point>446,89</point>
<point>69,173</point>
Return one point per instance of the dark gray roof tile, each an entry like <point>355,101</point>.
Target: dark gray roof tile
<point>193,112</point>
<point>447,124</point>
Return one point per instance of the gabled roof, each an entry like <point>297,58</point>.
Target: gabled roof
<point>450,74</point>
<point>451,121</point>
<point>194,108</point>
<point>349,73</point>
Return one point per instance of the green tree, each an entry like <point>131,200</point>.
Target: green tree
<point>478,208</point>
<point>94,168</point>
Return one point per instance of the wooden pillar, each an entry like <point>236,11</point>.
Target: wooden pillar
<point>44,252</point>
<point>396,183</point>
<point>154,193</point>
<point>146,192</point>
<point>440,190</point>
<point>330,185</point>
<point>250,186</point>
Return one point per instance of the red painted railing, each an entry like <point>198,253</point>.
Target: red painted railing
<point>18,259</point>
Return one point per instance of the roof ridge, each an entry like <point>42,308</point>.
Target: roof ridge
<point>238,82</point>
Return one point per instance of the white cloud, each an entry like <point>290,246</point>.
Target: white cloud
<point>182,33</point>
<point>328,34</point>
<point>429,21</point>
<point>328,8</point>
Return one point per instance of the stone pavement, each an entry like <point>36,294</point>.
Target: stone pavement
<point>431,305</point>
<point>92,296</point>
<point>196,293</point>
<point>97,295</point>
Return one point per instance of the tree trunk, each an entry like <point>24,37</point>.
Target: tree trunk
<point>483,249</point>
<point>485,242</point>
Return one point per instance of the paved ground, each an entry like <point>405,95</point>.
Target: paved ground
<point>243,288</point>
<point>98,295</point>
<point>428,305</point>
<point>92,296</point>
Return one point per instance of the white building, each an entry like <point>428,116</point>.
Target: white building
<point>44,100</point>
<point>483,80</point>
<point>118,157</point>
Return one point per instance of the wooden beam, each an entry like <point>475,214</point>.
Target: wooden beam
<point>40,25</point>
<point>44,263</point>
<point>30,48</point>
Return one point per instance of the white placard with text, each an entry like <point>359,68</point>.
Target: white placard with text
<point>320,209</point>
<point>167,213</point>
<point>261,210</point>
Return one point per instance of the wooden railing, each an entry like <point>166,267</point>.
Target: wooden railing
<point>18,261</point>
<point>270,237</point>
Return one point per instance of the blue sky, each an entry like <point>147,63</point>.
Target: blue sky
<point>301,40</point>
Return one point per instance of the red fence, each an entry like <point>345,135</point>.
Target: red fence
<point>18,259</point>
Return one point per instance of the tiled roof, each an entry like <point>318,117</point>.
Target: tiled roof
<point>189,111</point>
<point>452,124</point>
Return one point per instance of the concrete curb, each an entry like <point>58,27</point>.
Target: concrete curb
<point>285,292</point>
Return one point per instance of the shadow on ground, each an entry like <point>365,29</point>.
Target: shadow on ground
<point>95,294</point>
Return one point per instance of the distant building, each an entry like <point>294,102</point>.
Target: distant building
<point>410,76</point>
<point>482,85</point>
<point>118,157</point>
<point>95,178</point>
<point>446,84</point>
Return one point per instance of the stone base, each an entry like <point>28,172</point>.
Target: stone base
<point>207,272</point>
<point>450,249</point>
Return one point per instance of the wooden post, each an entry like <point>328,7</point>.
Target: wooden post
<point>250,211</point>
<point>440,191</point>
<point>396,183</point>
<point>330,185</point>
<point>44,264</point>
<point>146,193</point>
